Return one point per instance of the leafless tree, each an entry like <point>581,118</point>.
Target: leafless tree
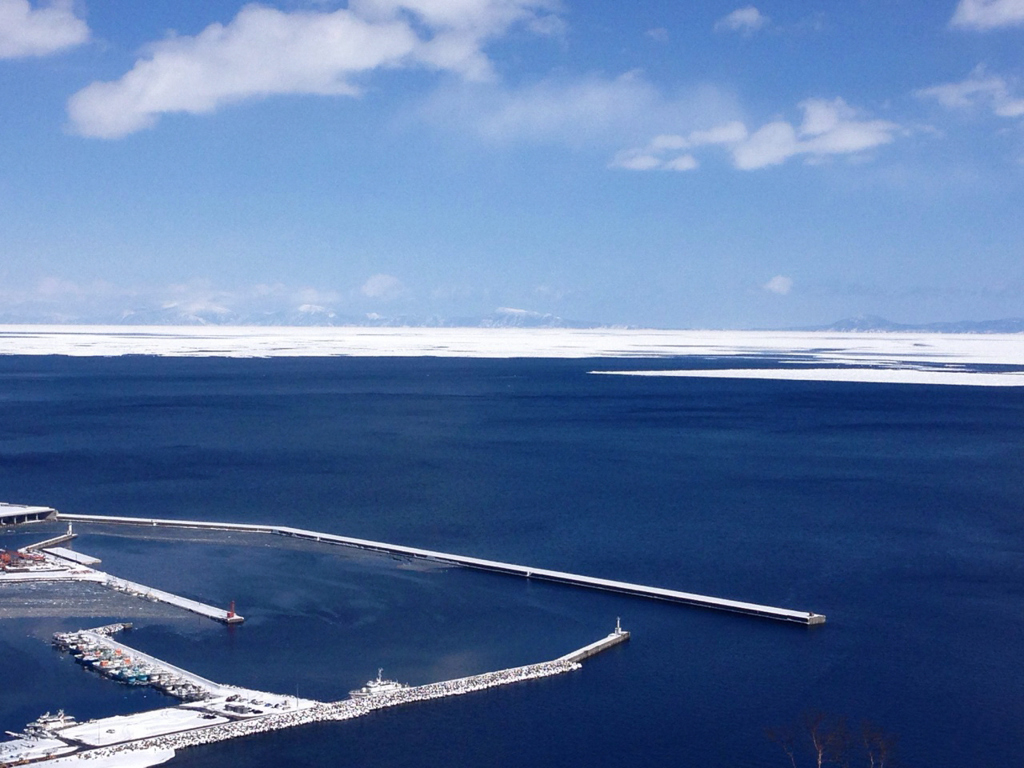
<point>785,738</point>
<point>877,744</point>
<point>828,741</point>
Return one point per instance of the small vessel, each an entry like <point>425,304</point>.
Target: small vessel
<point>46,725</point>
<point>377,687</point>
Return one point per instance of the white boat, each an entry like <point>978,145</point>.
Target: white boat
<point>377,687</point>
<point>46,725</point>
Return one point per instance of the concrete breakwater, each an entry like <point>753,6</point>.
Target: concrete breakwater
<point>347,709</point>
<point>495,566</point>
<point>150,750</point>
<point>97,650</point>
<point>50,563</point>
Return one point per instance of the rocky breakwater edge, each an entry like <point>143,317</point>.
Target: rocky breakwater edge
<point>345,709</point>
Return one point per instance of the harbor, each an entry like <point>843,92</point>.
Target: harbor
<point>213,712</point>
<point>808,618</point>
<point>44,561</point>
<point>207,711</point>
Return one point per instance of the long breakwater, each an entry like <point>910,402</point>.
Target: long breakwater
<point>211,702</point>
<point>495,566</point>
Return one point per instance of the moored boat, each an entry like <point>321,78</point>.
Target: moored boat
<point>377,687</point>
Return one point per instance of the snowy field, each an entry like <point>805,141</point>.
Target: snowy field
<point>865,375</point>
<point>219,341</point>
<point>909,358</point>
<point>121,728</point>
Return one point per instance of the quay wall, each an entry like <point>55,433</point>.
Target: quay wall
<point>217,614</point>
<point>345,709</point>
<point>62,539</point>
<point>619,636</point>
<point>544,574</point>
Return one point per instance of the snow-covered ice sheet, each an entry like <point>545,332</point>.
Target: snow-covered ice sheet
<point>219,341</point>
<point>867,375</point>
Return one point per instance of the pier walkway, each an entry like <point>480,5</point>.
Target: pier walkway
<point>141,590</point>
<point>59,564</point>
<point>495,566</point>
<point>305,712</point>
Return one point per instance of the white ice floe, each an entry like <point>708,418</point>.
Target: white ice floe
<point>868,375</point>
<point>219,341</point>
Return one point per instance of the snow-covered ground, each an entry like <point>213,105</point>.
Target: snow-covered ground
<point>121,728</point>
<point>31,749</point>
<point>219,341</point>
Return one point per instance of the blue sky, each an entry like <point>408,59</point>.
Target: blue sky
<point>666,164</point>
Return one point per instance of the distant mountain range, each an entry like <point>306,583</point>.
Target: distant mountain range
<point>875,324</point>
<point>304,316</point>
<point>503,317</point>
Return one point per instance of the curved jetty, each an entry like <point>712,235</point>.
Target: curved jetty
<point>561,577</point>
<point>224,712</point>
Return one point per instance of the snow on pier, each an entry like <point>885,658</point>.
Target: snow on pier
<point>163,732</point>
<point>60,564</point>
<point>618,636</point>
<point>141,590</point>
<point>69,554</point>
<point>150,738</point>
<point>561,577</point>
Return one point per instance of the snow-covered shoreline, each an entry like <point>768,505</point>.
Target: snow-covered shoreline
<point>861,375</point>
<point>843,348</point>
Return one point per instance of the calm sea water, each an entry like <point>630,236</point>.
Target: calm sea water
<point>896,510</point>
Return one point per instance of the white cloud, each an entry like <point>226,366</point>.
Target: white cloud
<point>592,111</point>
<point>658,34</point>
<point>726,133</point>
<point>57,298</point>
<point>27,31</point>
<point>384,287</point>
<point>779,284</point>
<point>770,144</point>
<point>745,20</point>
<point>829,128</point>
<point>988,14</point>
<point>264,51</point>
<point>980,88</point>
<point>667,151</point>
<point>681,163</point>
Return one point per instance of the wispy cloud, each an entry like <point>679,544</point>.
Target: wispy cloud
<point>264,51</point>
<point>979,90</point>
<point>592,111</point>
<point>780,284</point>
<point>983,15</point>
<point>55,298</point>
<point>384,287</point>
<point>745,21</point>
<point>829,127</point>
<point>26,31</point>
<point>671,152</point>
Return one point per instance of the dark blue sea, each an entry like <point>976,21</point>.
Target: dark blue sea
<point>898,511</point>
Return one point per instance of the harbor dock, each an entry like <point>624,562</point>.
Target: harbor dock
<point>561,577</point>
<point>618,636</point>
<point>45,562</point>
<point>216,712</point>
